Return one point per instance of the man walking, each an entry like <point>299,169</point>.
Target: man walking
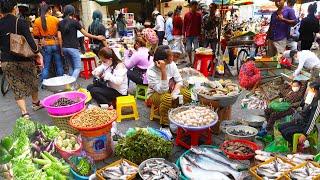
<point>159,27</point>
<point>278,32</point>
<point>209,28</point>
<point>192,28</point>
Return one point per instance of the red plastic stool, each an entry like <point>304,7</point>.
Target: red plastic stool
<point>87,67</point>
<point>204,64</point>
<point>194,135</point>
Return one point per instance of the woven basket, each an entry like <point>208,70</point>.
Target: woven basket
<point>62,122</point>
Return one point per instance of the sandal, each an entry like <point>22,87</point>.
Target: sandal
<point>36,106</point>
<point>26,115</point>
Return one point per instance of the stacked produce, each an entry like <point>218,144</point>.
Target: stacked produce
<point>143,145</point>
<point>158,169</point>
<point>306,171</point>
<point>41,143</point>
<point>67,142</point>
<point>93,117</point>
<point>82,165</point>
<point>123,170</point>
<point>193,116</point>
<point>63,101</point>
<point>205,162</point>
<point>221,88</point>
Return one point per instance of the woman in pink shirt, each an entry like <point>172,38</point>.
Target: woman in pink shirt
<point>138,62</point>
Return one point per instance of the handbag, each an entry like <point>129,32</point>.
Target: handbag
<point>19,45</point>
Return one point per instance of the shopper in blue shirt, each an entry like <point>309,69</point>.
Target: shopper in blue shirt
<point>169,28</point>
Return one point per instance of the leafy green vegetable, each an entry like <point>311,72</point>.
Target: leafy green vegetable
<point>84,167</point>
<point>25,169</point>
<point>143,145</point>
<point>24,126</point>
<point>6,150</point>
<point>51,132</point>
<point>22,146</point>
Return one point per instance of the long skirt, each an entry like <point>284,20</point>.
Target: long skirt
<point>22,77</point>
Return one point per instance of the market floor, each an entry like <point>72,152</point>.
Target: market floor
<point>9,113</point>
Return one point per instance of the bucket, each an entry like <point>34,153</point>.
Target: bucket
<point>97,143</point>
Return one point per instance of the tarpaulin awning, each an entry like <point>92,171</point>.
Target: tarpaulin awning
<point>47,1</point>
<point>106,2</point>
<point>303,1</point>
<point>233,2</point>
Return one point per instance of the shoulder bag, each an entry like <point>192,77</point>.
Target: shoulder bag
<point>19,45</point>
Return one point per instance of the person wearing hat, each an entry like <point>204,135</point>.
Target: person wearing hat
<point>68,40</point>
<point>169,28</point>
<point>192,28</point>
<point>305,59</point>
<point>160,26</point>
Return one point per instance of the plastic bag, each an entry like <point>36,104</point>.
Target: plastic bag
<point>260,39</point>
<point>278,106</point>
<point>279,145</point>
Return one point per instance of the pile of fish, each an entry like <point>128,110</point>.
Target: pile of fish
<point>262,155</point>
<point>300,158</point>
<point>241,132</point>
<point>253,102</point>
<point>274,169</point>
<point>309,171</point>
<point>122,171</point>
<point>237,148</point>
<point>219,88</point>
<point>208,163</point>
<point>158,169</point>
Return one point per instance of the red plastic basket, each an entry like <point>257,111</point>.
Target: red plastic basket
<point>231,155</point>
<point>66,154</point>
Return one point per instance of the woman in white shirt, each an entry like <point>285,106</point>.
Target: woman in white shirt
<point>159,26</point>
<point>165,83</point>
<point>110,78</point>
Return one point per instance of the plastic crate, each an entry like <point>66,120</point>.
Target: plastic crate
<point>99,172</point>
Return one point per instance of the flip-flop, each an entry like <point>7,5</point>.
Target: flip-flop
<point>26,115</point>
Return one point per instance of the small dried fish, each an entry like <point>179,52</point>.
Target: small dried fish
<point>158,169</point>
<point>121,171</point>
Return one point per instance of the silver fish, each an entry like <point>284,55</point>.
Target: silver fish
<point>195,173</point>
<point>209,152</point>
<point>206,163</point>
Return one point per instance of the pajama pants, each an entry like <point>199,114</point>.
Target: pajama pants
<point>289,129</point>
<point>165,103</point>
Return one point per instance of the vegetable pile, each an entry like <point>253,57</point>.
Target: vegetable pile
<point>67,142</point>
<point>63,101</point>
<point>194,116</point>
<point>6,171</point>
<point>93,117</point>
<point>143,145</point>
<point>41,143</point>
<point>82,165</point>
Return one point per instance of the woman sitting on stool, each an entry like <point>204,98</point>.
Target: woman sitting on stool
<point>165,83</point>
<point>110,78</point>
<point>304,121</point>
<point>138,61</point>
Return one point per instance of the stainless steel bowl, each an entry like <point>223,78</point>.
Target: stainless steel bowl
<point>60,84</point>
<point>255,121</point>
<point>231,136</point>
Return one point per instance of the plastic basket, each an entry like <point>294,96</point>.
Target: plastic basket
<point>66,154</point>
<point>99,172</point>
<point>62,122</point>
<point>302,165</point>
<point>253,170</point>
<point>231,155</point>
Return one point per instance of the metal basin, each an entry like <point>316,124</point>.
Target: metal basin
<point>59,84</point>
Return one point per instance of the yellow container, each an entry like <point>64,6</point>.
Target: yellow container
<point>253,170</point>
<point>302,165</point>
<point>116,163</point>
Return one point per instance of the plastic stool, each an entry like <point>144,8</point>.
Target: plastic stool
<point>154,112</point>
<point>126,101</point>
<point>204,64</point>
<point>194,136</point>
<point>313,138</point>
<point>87,67</point>
<point>141,92</point>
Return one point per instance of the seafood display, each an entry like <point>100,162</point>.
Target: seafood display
<point>300,158</point>
<point>274,169</point>
<point>157,168</point>
<point>193,116</point>
<point>272,89</point>
<point>237,148</point>
<point>219,88</point>
<point>198,166</point>
<point>191,76</point>
<point>307,171</point>
<point>120,171</point>
<point>241,132</point>
<point>63,101</point>
<point>262,155</point>
<point>253,102</point>
<point>93,117</point>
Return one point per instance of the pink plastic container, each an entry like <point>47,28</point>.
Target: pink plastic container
<point>64,110</point>
<point>66,154</point>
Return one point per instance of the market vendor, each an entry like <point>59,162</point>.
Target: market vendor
<point>249,75</point>
<point>165,83</point>
<point>304,121</point>
<point>110,78</point>
<point>305,59</point>
<point>292,93</point>
<point>139,61</point>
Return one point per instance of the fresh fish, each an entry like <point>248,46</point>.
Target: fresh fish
<point>121,171</point>
<point>206,163</point>
<point>309,171</point>
<point>158,169</point>
<point>209,152</point>
<point>195,173</point>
